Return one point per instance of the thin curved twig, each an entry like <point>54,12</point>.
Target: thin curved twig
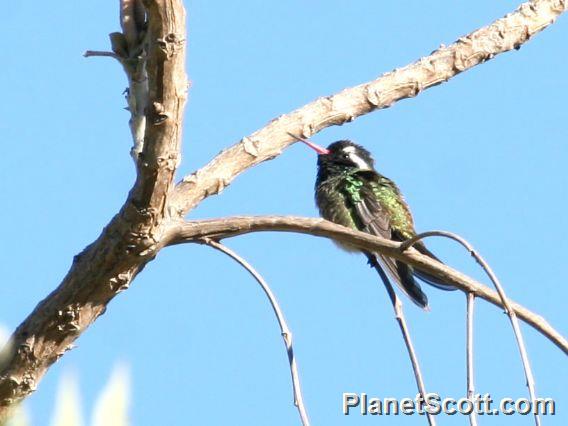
<point>399,315</point>
<point>508,309</point>
<point>284,329</point>
<point>191,231</point>
<point>469,355</point>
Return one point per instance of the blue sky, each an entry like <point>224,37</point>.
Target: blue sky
<point>483,155</point>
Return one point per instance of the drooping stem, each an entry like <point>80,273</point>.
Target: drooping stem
<point>284,329</point>
<point>510,312</point>
<point>469,357</point>
<point>399,315</point>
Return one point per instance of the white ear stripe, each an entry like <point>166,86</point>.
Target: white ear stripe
<point>351,152</point>
<point>362,164</point>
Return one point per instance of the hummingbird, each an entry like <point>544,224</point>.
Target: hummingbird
<point>350,192</point>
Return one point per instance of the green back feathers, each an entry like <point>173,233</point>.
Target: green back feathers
<point>352,186</point>
<point>333,199</point>
<point>392,201</point>
<point>337,197</point>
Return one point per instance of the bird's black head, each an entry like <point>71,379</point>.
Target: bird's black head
<point>345,155</point>
<point>339,157</point>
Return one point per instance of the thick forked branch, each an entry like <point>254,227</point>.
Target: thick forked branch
<point>477,47</point>
<point>233,226</point>
<point>130,240</point>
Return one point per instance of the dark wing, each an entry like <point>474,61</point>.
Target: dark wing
<point>397,235</point>
<point>371,217</point>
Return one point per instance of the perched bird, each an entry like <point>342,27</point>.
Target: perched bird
<point>350,192</point>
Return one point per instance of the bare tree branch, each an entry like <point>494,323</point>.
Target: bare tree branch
<point>131,21</point>
<point>130,48</point>
<point>132,45</point>
<point>477,47</point>
<point>284,329</point>
<point>232,226</point>
<point>167,83</point>
<point>93,53</point>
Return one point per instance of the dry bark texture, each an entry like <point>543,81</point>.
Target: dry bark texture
<point>131,239</point>
<point>152,214</point>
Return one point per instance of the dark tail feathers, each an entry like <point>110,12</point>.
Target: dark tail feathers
<point>403,276</point>
<point>425,276</point>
